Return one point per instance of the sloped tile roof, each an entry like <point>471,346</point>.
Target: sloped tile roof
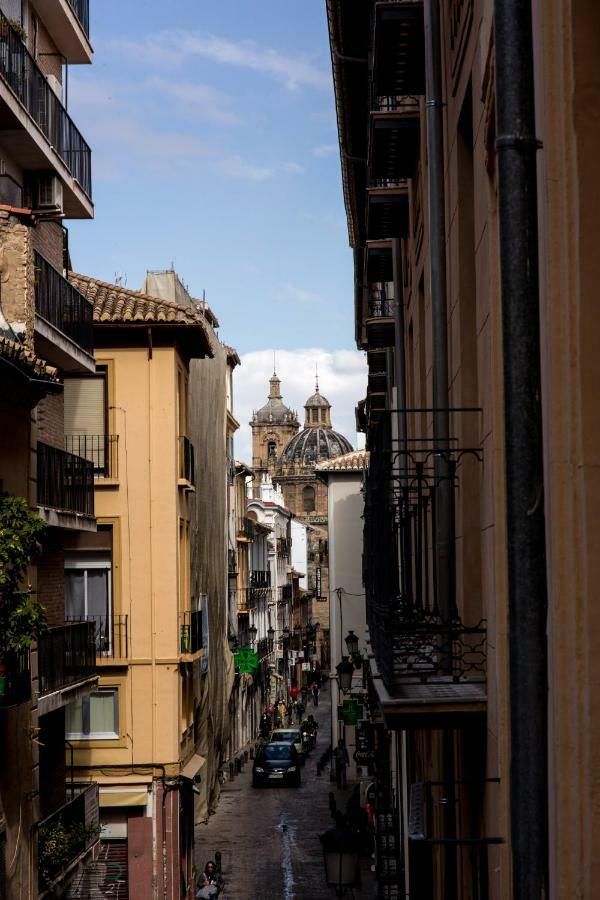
<point>349,462</point>
<point>30,364</point>
<point>116,304</point>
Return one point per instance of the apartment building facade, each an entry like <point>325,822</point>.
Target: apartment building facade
<point>465,151</point>
<point>46,331</point>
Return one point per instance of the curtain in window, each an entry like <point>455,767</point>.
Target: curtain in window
<point>103,712</point>
<point>75,593</point>
<point>74,717</point>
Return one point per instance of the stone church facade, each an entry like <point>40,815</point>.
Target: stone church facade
<point>290,455</point>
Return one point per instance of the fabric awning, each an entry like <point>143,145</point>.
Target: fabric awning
<point>193,766</point>
<point>123,798</point>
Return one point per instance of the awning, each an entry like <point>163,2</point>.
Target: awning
<point>193,766</point>
<point>123,798</point>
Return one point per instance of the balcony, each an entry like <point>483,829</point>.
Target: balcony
<point>66,664</point>
<point>260,579</point>
<point>65,489</point>
<point>68,836</point>
<point>187,463</point>
<point>111,635</point>
<point>246,529</point>
<point>263,647</point>
<point>54,143</point>
<point>68,22</point>
<point>381,307</point>
<point>394,141</point>
<point>63,321</point>
<point>286,593</point>
<point>387,209</point>
<point>190,632</point>
<point>284,547</point>
<point>15,679</point>
<point>102,450</point>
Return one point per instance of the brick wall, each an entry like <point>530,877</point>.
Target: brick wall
<point>51,581</point>
<point>51,420</point>
<point>47,239</point>
<point>17,299</point>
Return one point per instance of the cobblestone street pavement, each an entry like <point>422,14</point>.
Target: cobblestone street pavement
<point>269,838</point>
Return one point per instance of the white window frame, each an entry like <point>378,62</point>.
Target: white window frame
<point>98,735</point>
<point>79,562</point>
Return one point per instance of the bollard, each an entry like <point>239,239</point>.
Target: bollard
<point>231,771</point>
<point>237,766</point>
<point>218,860</point>
<point>251,752</point>
<point>245,756</point>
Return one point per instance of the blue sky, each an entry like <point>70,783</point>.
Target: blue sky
<point>214,142</point>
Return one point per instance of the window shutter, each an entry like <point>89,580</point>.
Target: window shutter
<point>84,406</point>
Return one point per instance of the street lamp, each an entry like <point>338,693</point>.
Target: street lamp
<point>345,671</point>
<point>341,857</point>
<point>270,636</point>
<point>352,643</point>
<point>252,632</point>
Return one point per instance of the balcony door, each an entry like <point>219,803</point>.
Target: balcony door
<point>86,407</point>
<point>88,596</point>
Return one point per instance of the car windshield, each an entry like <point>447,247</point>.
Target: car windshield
<point>275,751</point>
<point>287,735</point>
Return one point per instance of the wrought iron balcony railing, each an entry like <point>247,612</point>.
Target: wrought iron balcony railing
<point>187,461</point>
<point>111,635</point>
<point>68,833</point>
<point>284,547</point>
<point>24,77</point>
<point>190,630</point>
<point>15,678</point>
<point>260,579</point>
<point>101,449</point>
<point>64,481</point>
<point>66,655</point>
<point>396,103</point>
<point>381,308</point>
<point>82,11</point>
<point>62,305</point>
<point>246,528</point>
<point>287,592</point>
<point>264,646</point>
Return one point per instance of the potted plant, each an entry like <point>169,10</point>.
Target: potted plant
<point>22,616</point>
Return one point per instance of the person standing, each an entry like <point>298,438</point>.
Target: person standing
<point>316,690</point>
<point>341,761</point>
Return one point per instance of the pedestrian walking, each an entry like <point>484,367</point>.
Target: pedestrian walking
<point>316,690</point>
<point>341,762</point>
<point>299,710</point>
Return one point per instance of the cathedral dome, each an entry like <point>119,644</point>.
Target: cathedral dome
<point>274,412</point>
<point>317,441</point>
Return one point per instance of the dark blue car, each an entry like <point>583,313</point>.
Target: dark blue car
<point>276,763</point>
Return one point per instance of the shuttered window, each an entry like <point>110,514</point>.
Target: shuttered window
<point>85,405</point>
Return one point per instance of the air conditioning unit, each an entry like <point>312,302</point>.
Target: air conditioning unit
<point>47,193</point>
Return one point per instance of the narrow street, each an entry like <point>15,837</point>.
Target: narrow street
<point>269,838</point>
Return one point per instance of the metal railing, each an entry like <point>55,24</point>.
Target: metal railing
<point>187,461</point>
<point>284,546</point>
<point>111,634</point>
<point>231,562</point>
<point>61,304</point>
<point>396,103</point>
<point>82,11</point>
<point>27,81</point>
<point>264,646</point>
<point>68,833</point>
<point>64,481</point>
<point>102,450</point>
<point>287,592</point>
<point>190,632</point>
<point>66,655</point>
<point>260,579</point>
<point>246,527</point>
<point>250,597</point>
<point>381,309</point>
<point>15,678</point>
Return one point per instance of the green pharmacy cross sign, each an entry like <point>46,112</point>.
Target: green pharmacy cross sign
<point>246,661</point>
<point>350,712</point>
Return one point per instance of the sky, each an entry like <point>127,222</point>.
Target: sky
<point>214,151</point>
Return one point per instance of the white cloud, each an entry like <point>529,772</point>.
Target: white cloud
<point>293,168</point>
<point>325,150</point>
<point>342,379</point>
<point>236,167</point>
<point>202,100</point>
<point>175,46</point>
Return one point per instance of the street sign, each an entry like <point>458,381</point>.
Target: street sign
<point>318,581</point>
<point>306,667</point>
<point>350,712</point>
<point>246,661</point>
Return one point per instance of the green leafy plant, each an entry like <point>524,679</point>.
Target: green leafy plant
<point>60,844</point>
<point>22,616</point>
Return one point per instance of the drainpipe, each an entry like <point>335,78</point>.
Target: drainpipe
<point>437,255</point>
<point>399,352</point>
<point>525,519</point>
<point>444,569</point>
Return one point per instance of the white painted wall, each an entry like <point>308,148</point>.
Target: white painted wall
<point>300,551</point>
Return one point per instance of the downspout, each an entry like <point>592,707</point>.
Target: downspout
<point>443,573</point>
<point>399,353</point>
<point>525,518</point>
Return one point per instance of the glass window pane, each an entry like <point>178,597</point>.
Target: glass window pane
<point>74,718</point>
<point>103,712</point>
<point>75,593</point>
<point>97,593</point>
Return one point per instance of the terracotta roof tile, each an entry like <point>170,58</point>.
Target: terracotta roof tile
<point>19,355</point>
<point>349,462</point>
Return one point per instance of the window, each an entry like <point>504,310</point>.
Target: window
<point>272,448</point>
<point>86,415</point>
<point>308,499</point>
<point>95,717</point>
<point>88,594</point>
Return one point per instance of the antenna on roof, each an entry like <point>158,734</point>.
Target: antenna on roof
<point>121,279</point>
<point>317,377</point>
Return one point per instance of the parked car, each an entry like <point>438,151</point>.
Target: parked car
<point>291,736</point>
<point>276,763</point>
